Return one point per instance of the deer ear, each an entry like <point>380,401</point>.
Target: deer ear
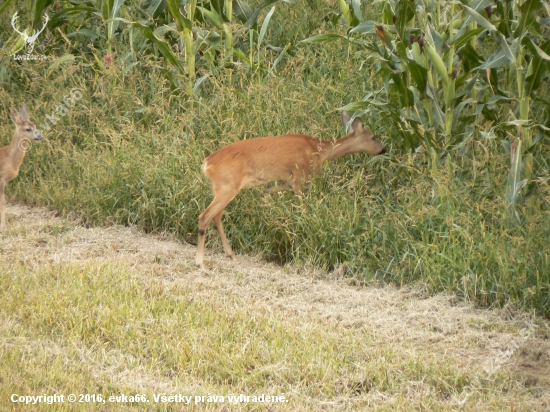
<point>345,119</point>
<point>357,125</point>
<point>24,113</point>
<point>15,116</point>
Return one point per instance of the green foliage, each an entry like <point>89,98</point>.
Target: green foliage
<point>440,86</point>
<point>203,31</point>
<point>130,151</point>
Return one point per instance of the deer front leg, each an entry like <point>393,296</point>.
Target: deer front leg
<point>278,188</point>
<point>221,198</point>
<point>297,183</point>
<point>218,223</point>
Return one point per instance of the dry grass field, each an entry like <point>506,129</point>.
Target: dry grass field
<point>115,311</point>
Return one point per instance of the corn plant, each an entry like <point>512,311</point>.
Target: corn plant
<point>524,53</point>
<point>254,59</point>
<point>184,27</point>
<point>91,20</point>
<point>441,87</point>
<point>84,12</point>
<point>221,14</point>
<point>110,10</point>
<point>35,9</point>
<point>34,13</point>
<point>351,16</point>
<point>201,27</point>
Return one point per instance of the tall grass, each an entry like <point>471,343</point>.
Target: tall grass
<point>130,152</point>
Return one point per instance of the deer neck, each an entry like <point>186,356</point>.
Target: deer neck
<point>332,149</point>
<point>17,149</point>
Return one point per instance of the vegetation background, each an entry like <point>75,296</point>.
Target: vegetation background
<point>134,94</point>
<point>154,106</point>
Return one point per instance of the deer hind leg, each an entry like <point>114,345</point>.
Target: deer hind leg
<point>297,182</point>
<point>2,206</point>
<point>218,223</point>
<point>214,211</point>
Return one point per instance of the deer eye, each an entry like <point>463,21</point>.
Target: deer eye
<point>28,129</point>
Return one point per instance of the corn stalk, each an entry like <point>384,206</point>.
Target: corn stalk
<point>437,84</point>
<point>419,59</point>
<point>184,26</point>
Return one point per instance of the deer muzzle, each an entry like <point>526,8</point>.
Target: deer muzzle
<point>37,136</point>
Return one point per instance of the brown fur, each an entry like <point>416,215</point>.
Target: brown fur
<point>11,156</point>
<point>290,159</point>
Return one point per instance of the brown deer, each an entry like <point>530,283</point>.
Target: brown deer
<point>290,159</point>
<point>12,156</point>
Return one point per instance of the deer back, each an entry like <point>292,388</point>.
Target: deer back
<point>262,159</point>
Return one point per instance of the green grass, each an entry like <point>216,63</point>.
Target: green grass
<point>130,152</point>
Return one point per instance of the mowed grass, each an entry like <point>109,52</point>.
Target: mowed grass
<point>111,328</point>
<point>130,152</point>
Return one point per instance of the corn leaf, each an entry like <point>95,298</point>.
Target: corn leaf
<point>280,57</point>
<point>5,5</point>
<point>212,16</point>
<point>538,66</point>
<point>541,52</point>
<point>482,21</point>
<point>463,39</point>
<point>265,24</point>
<point>156,8</point>
<point>356,5</point>
<point>527,15</point>
<point>199,83</point>
<point>406,97</point>
<point>217,7</point>
<point>242,10</point>
<point>501,58</point>
<point>115,12</point>
<point>355,106</point>
<point>515,183</point>
<point>37,8</point>
<point>368,26</point>
<point>162,46</point>
<point>252,20</point>
<point>240,55</point>
<point>60,18</point>
<point>476,5</point>
<point>346,13</point>
<point>419,76</point>
<point>181,21</point>
<point>404,13</point>
<point>323,38</point>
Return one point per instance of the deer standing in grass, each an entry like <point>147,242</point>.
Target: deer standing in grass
<point>290,159</point>
<point>12,156</point>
